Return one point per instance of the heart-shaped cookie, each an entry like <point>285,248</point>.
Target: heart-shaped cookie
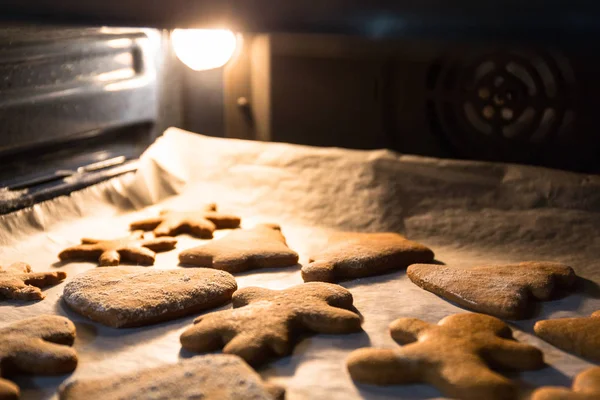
<point>125,297</point>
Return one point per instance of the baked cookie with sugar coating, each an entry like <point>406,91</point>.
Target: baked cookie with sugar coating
<point>36,346</point>
<point>210,377</point>
<point>454,356</point>
<point>352,255</point>
<point>124,297</point>
<point>133,249</point>
<point>18,282</point>
<point>266,323</point>
<point>585,387</point>
<point>201,223</point>
<point>579,335</point>
<point>504,291</point>
<point>263,246</point>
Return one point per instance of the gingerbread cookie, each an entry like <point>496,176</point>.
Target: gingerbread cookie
<point>37,346</point>
<point>264,323</point>
<point>200,223</point>
<point>505,291</point>
<point>454,356</point>
<point>19,283</point>
<point>580,336</point>
<point>125,297</point>
<point>351,255</point>
<point>8,390</point>
<point>585,387</point>
<point>210,377</point>
<point>260,247</point>
<point>134,249</point>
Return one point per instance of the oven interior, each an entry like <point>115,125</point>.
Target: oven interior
<point>461,104</point>
<point>81,98</point>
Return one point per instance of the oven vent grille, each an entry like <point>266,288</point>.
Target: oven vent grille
<point>494,104</point>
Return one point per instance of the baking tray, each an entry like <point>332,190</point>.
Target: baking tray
<point>469,212</point>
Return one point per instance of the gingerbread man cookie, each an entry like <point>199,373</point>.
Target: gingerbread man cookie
<point>210,377</point>
<point>454,356</point>
<point>263,323</point>
<point>351,255</point>
<point>124,297</point>
<point>37,346</point>
<point>263,246</point>
<point>134,249</point>
<point>19,283</point>
<point>580,336</point>
<point>200,223</point>
<point>585,387</point>
<point>505,291</point>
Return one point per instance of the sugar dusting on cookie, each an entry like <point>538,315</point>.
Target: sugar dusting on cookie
<point>136,296</point>
<point>210,377</point>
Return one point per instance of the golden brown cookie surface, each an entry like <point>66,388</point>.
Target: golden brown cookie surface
<point>351,255</point>
<point>264,323</point>
<point>36,346</point>
<point>19,283</point>
<point>585,387</point>
<point>136,296</point>
<point>454,356</point>
<point>8,390</point>
<point>263,246</point>
<point>210,377</point>
<point>134,249</point>
<point>505,291</point>
<point>201,223</point>
<point>580,336</point>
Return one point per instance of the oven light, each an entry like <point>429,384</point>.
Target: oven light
<point>202,49</point>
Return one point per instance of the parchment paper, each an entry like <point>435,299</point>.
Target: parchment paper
<point>469,212</point>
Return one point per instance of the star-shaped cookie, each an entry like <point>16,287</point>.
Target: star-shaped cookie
<point>580,336</point>
<point>19,283</point>
<point>505,291</point>
<point>200,223</point>
<point>263,246</point>
<point>352,255</point>
<point>585,387</point>
<point>454,356</point>
<point>134,249</point>
<point>265,323</point>
<point>36,346</point>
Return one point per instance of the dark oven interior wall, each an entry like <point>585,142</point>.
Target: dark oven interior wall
<point>170,88</point>
<point>203,101</point>
<point>501,102</point>
<point>61,85</point>
<point>79,102</point>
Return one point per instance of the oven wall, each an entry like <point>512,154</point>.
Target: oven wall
<point>426,97</point>
<point>59,85</point>
<point>171,84</point>
<point>75,97</point>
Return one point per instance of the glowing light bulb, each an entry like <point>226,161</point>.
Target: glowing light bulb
<point>202,49</point>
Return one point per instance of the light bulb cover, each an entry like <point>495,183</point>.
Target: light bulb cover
<point>204,49</point>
